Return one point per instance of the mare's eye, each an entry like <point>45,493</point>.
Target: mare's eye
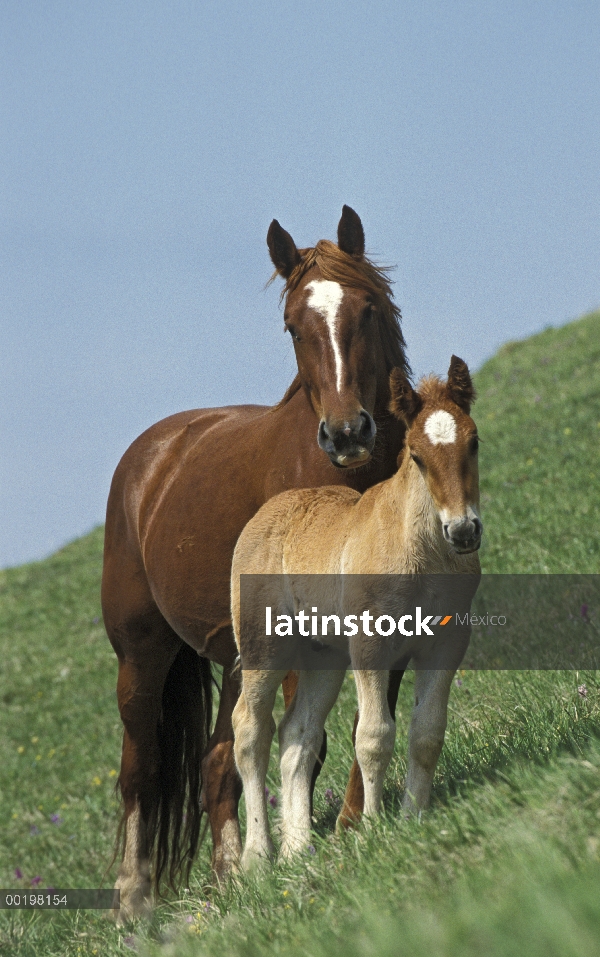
<point>293,333</point>
<point>416,460</point>
<point>474,445</point>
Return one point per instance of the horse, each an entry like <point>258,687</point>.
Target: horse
<point>180,497</point>
<point>422,523</point>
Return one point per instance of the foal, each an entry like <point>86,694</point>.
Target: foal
<point>422,523</point>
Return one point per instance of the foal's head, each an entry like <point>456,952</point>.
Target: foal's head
<point>442,441</point>
<point>345,327</point>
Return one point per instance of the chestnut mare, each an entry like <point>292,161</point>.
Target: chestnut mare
<point>179,499</point>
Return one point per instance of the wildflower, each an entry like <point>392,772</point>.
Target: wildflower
<point>311,849</point>
<point>35,881</point>
<point>112,774</point>
<point>33,830</point>
<point>189,919</point>
<point>582,691</point>
<point>285,893</point>
<point>331,799</point>
<point>56,819</point>
<point>458,683</point>
<point>18,873</point>
<point>35,740</point>
<point>95,620</point>
<point>20,749</point>
<point>96,781</point>
<point>273,801</point>
<point>130,942</point>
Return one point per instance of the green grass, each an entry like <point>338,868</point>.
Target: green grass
<point>508,859</point>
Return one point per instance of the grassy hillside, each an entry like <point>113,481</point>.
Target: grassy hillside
<point>507,860</point>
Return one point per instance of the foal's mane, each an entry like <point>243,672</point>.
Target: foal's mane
<point>337,266</point>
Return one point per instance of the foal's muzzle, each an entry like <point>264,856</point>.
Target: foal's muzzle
<point>464,533</point>
<point>348,443</point>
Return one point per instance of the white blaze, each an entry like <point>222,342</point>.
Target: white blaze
<point>440,428</point>
<point>325,298</point>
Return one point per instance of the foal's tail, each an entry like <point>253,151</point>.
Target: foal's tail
<point>183,730</point>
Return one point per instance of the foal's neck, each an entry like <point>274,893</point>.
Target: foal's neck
<point>415,511</point>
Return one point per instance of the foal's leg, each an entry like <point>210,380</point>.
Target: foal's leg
<point>375,735</point>
<point>253,726</point>
<point>300,736</point>
<point>354,798</point>
<point>289,685</point>
<point>426,735</point>
<point>222,786</point>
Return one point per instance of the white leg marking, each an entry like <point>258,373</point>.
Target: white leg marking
<point>325,298</point>
<point>426,735</point>
<point>133,879</point>
<point>375,735</point>
<point>440,428</point>
<point>300,737</point>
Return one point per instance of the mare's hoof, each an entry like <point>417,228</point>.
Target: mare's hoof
<point>135,902</point>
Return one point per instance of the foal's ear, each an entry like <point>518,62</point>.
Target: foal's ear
<point>283,250</point>
<point>405,403</point>
<point>351,235</point>
<point>459,386</point>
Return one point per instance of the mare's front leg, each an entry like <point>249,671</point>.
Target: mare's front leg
<point>375,735</point>
<point>300,737</point>
<point>222,787</point>
<point>253,726</point>
<point>426,735</point>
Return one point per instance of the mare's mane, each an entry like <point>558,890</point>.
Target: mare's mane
<point>337,266</point>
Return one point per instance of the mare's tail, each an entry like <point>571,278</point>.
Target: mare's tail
<point>183,730</point>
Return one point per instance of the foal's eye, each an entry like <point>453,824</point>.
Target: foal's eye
<point>293,333</point>
<point>416,460</point>
<point>474,445</point>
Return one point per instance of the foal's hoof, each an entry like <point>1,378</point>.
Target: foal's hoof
<point>254,860</point>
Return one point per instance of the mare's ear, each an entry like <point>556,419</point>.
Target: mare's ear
<point>351,235</point>
<point>283,250</point>
<point>405,403</point>
<point>459,387</point>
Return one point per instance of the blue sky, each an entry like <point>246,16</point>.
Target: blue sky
<point>147,146</point>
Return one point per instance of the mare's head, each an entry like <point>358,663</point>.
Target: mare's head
<point>442,441</point>
<point>346,333</point>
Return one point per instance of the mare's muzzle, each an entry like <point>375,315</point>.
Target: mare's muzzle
<point>348,443</point>
<point>464,534</point>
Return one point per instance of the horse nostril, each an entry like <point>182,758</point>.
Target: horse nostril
<point>478,526</point>
<point>367,427</point>
<point>324,435</point>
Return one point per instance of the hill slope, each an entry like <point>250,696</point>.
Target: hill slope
<point>511,842</point>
